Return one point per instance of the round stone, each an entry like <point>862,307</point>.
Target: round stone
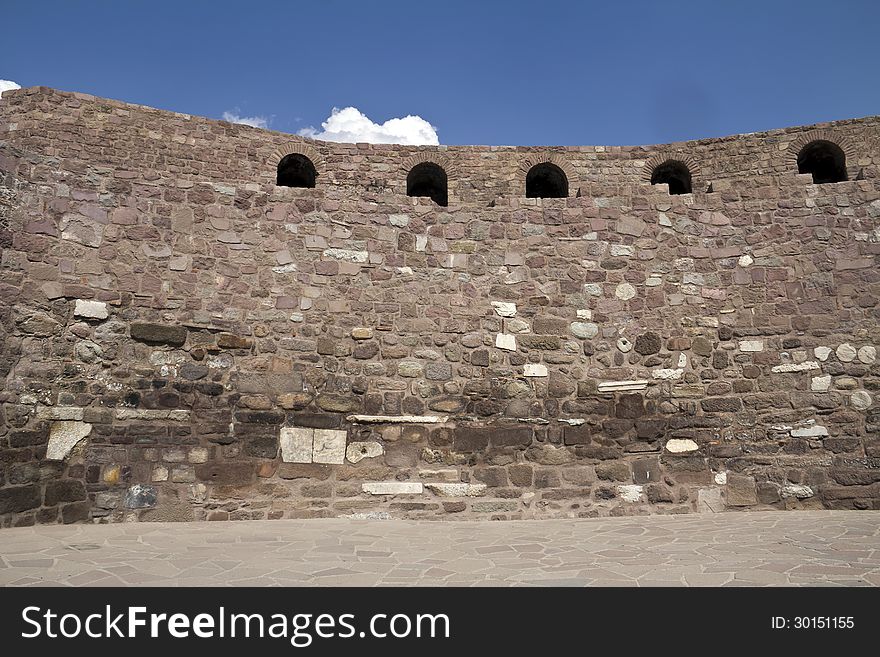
<point>867,355</point>
<point>846,353</point>
<point>860,400</point>
<point>624,345</point>
<point>625,292</point>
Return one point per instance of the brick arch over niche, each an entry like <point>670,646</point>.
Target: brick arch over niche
<point>844,143</point>
<point>439,159</point>
<point>689,163</point>
<point>297,148</point>
<point>551,158</point>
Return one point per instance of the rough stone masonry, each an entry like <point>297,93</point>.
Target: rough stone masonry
<point>185,339</point>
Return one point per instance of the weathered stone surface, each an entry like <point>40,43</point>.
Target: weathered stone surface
<point>681,445</point>
<point>504,308</point>
<point>63,437</point>
<point>648,343</point>
<point>584,330</point>
<point>741,490</point>
<point>860,400</point>
<point>534,369</point>
<point>820,383</point>
<point>188,311</point>
<point>625,292</point>
<point>797,367</point>
<point>64,490</point>
<point>90,309</point>
<point>328,446</point>
<point>358,451</point>
<point>140,496</point>
<point>822,353</point>
<point>751,345</point>
<point>646,471</point>
<point>225,473</point>
<point>296,444</point>
<point>867,354</point>
<point>457,490</point>
<point>392,488</point>
<point>158,334</point>
<point>846,353</point>
<point>362,333</point>
<point>19,498</point>
<point>630,492</point>
<point>505,341</point>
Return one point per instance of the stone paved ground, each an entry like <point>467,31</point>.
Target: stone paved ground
<point>730,549</point>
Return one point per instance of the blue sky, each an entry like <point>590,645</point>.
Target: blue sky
<point>549,72</point>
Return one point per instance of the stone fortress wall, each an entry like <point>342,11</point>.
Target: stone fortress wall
<point>183,339</point>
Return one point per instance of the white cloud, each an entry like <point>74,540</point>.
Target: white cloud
<point>350,125</point>
<point>253,121</point>
<point>8,85</point>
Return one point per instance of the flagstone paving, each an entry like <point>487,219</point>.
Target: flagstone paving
<point>793,548</point>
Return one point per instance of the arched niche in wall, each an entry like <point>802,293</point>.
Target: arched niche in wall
<point>679,172</point>
<point>427,175</point>
<point>297,165</point>
<point>547,176</point>
<point>823,155</point>
<point>825,160</point>
<point>546,180</point>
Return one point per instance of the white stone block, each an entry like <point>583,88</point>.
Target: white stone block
<point>347,255</point>
<point>625,292</point>
<point>59,413</point>
<point>504,309</point>
<point>329,446</point>
<point>796,367</point>
<point>709,500</point>
<point>358,451</point>
<point>666,374</point>
<point>622,250</point>
<point>811,431</point>
<point>505,341</point>
<point>392,488</point>
<point>399,220</point>
<point>397,419</point>
<point>296,444</point>
<point>751,345</point>
<point>90,309</point>
<point>681,445</point>
<point>624,345</point>
<point>721,478</point>
<point>796,490</point>
<point>822,353</point>
<point>457,490</point>
<point>630,492</point>
<point>623,386</point>
<point>584,330</point>
<point>682,360</point>
<point>585,313</point>
<point>820,383</point>
<point>745,260</point>
<point>534,369</point>
<point>63,437</point>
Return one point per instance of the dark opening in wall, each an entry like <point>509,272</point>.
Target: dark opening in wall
<point>546,180</point>
<point>296,170</point>
<point>673,173</point>
<point>825,160</point>
<point>428,179</point>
